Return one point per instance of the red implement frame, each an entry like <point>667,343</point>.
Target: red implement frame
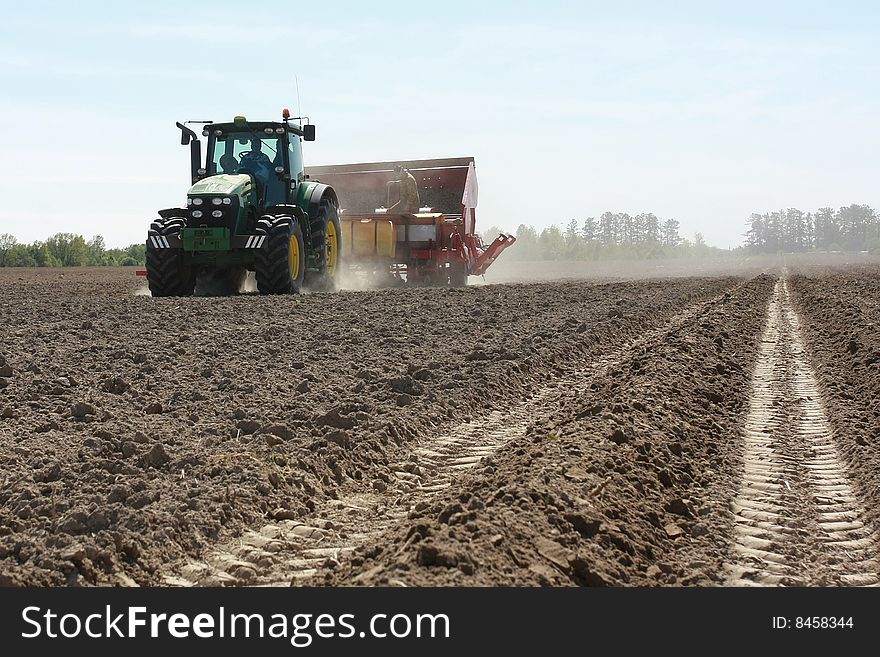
<point>362,189</point>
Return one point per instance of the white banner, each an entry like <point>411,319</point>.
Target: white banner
<point>469,199</point>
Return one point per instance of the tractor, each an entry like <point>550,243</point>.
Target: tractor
<point>251,207</point>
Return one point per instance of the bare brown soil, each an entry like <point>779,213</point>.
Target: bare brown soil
<point>624,485</point>
<point>552,433</point>
<point>140,431</point>
<point>842,330</point>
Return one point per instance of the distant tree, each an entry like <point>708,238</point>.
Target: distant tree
<point>794,233</point>
<point>827,229</point>
<point>626,230</point>
<point>552,243</point>
<point>854,221</point>
<point>526,247</point>
<point>590,229</point>
<point>854,228</point>
<point>23,257</point>
<point>42,255</point>
<point>68,249</point>
<point>8,250</point>
<point>756,235</point>
<point>670,233</point>
<point>573,241</point>
<point>97,250</point>
<point>650,228</point>
<point>773,222</point>
<point>137,252</point>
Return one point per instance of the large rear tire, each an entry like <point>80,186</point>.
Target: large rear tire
<point>280,264</point>
<point>169,274</point>
<point>326,244</point>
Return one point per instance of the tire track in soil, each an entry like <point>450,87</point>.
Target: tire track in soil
<point>295,552</point>
<point>798,521</point>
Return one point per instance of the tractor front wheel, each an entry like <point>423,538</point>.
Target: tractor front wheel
<point>169,274</point>
<point>280,264</point>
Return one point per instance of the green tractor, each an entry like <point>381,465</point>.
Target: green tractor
<point>250,208</point>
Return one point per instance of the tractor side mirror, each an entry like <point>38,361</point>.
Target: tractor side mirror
<point>309,132</point>
<point>186,135</point>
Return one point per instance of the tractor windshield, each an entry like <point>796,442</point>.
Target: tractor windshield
<point>256,153</point>
<point>238,148</point>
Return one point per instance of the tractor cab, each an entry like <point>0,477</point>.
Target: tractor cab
<point>269,153</point>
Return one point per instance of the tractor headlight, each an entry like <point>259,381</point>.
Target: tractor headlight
<point>197,201</point>
<point>227,201</point>
<point>268,131</point>
<point>217,200</point>
<point>279,131</point>
<point>196,214</point>
<point>217,214</point>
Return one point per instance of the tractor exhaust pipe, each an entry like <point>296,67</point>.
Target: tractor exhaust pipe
<point>188,137</point>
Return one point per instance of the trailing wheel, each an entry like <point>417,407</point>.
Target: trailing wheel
<point>280,264</point>
<point>458,274</point>
<point>326,245</point>
<point>169,274</point>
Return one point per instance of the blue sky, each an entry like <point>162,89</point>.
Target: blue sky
<point>695,110</point>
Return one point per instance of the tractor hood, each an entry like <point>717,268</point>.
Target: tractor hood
<point>225,183</point>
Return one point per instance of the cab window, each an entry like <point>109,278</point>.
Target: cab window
<point>229,149</point>
<point>296,159</point>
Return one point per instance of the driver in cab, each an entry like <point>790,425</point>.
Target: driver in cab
<point>256,161</point>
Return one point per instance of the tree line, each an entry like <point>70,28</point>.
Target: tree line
<point>611,235</point>
<point>617,235</point>
<point>67,250</point>
<point>850,228</point>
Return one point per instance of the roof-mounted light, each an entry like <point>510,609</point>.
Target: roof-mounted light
<point>285,114</point>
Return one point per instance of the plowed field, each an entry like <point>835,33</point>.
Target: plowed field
<point>686,431</point>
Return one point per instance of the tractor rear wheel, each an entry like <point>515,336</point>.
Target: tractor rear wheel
<point>281,263</point>
<point>168,272</point>
<point>326,246</point>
